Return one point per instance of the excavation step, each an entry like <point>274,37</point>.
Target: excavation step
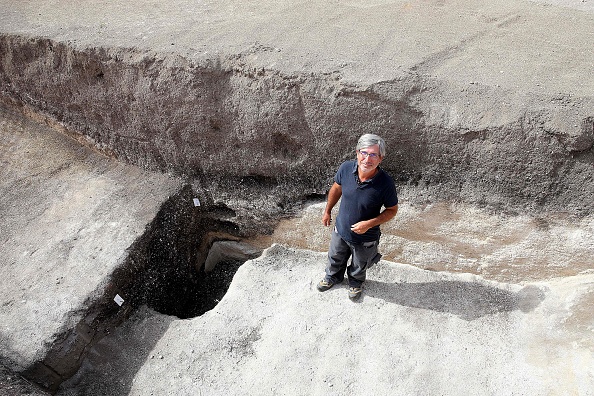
<point>71,218</point>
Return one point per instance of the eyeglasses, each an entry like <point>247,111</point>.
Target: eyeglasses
<point>365,154</point>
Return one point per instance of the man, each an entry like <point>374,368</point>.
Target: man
<point>365,188</point>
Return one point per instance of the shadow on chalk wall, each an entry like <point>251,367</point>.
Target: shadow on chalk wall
<point>110,366</point>
<point>468,301</point>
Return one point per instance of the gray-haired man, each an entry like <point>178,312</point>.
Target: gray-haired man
<point>365,188</point>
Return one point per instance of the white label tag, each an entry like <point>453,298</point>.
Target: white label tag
<point>196,202</point>
<point>119,300</point>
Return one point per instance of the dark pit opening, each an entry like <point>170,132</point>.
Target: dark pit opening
<point>174,270</point>
<point>193,295</point>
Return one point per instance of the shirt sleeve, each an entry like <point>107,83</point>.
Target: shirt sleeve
<point>391,197</point>
<point>340,173</point>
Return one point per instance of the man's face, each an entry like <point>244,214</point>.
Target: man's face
<point>369,158</point>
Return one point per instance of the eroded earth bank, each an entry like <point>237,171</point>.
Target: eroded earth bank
<point>155,155</point>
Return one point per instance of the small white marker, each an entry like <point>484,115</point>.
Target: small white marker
<point>119,300</point>
<point>196,202</point>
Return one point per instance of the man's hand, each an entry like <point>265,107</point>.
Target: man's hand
<point>327,219</point>
<point>361,227</point>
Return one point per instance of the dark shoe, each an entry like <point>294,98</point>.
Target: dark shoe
<point>355,292</point>
<point>325,285</point>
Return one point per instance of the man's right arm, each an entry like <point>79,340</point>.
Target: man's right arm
<point>333,196</point>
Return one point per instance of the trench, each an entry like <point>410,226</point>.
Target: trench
<point>176,280</point>
<point>165,269</point>
<point>176,268</point>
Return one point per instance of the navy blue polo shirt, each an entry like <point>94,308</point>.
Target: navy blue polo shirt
<point>362,201</point>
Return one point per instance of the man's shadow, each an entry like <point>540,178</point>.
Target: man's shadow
<point>466,300</point>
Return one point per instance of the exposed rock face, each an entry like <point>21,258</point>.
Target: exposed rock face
<point>229,250</point>
<point>251,108</point>
<point>234,119</point>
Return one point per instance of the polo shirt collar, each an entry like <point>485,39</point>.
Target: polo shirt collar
<point>355,167</point>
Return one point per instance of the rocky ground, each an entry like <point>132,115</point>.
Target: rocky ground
<point>467,299</point>
<point>413,332</point>
<point>69,217</point>
<point>135,136</point>
<point>457,237</point>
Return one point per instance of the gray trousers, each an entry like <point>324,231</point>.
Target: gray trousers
<point>363,256</point>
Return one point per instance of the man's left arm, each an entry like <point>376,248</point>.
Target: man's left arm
<point>385,216</point>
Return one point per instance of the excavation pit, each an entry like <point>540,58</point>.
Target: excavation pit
<point>181,277</point>
<point>201,292</point>
<point>181,267</point>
